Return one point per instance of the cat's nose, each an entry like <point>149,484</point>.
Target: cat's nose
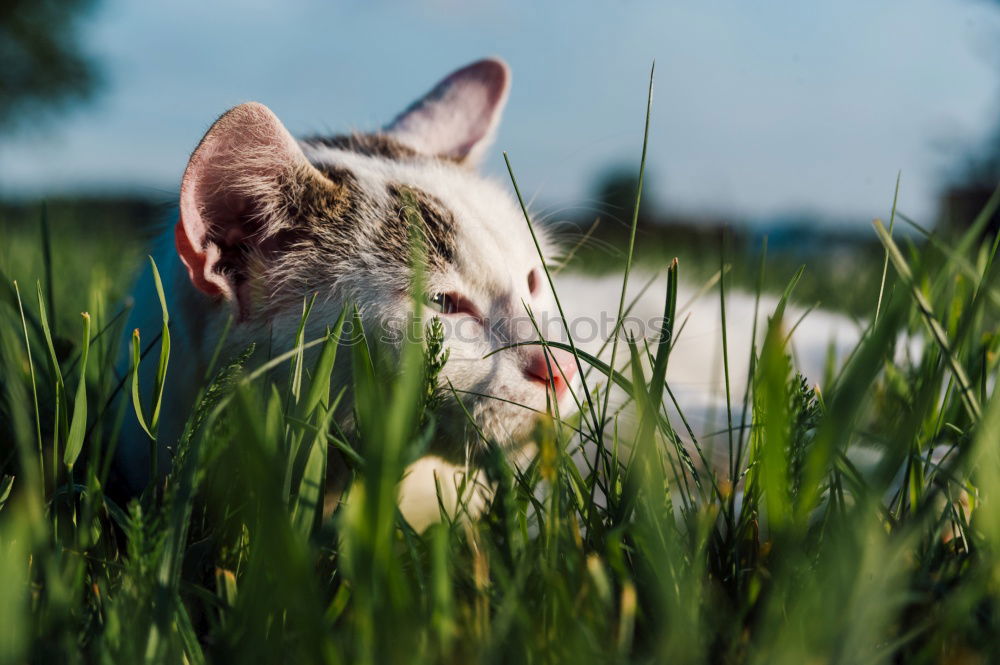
<point>557,370</point>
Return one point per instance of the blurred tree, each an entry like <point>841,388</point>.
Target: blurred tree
<point>42,68</point>
<point>615,196</point>
<point>976,178</point>
<point>968,192</point>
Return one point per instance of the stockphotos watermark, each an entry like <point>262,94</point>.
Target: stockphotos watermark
<point>505,331</point>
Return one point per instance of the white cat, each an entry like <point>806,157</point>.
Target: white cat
<point>266,221</point>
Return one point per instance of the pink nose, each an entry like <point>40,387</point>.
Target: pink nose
<point>557,370</point>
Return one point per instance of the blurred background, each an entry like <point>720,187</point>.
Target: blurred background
<point>784,120</point>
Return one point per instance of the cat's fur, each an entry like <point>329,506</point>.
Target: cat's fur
<point>266,221</point>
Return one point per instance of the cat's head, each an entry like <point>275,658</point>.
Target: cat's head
<point>266,220</point>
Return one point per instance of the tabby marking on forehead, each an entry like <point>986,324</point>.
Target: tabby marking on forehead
<point>437,222</point>
<point>342,231</point>
<point>369,145</point>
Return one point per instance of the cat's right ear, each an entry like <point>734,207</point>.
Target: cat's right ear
<point>239,200</point>
<point>458,119</point>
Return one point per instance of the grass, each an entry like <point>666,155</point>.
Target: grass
<point>615,545</point>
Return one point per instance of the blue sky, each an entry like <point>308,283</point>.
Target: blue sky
<point>760,107</point>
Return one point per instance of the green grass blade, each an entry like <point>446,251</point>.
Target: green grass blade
<point>6,484</point>
<point>885,262</point>
<point>751,366</point>
<point>308,504</point>
<point>136,402</point>
<point>658,378</point>
<point>78,423</point>
<point>295,385</point>
<point>966,390</point>
<point>771,394</point>
<point>631,240</point>
<point>538,248</point>
<point>307,507</point>
<point>61,405</point>
<point>43,319</point>
<point>985,463</point>
<point>725,359</point>
<point>319,389</point>
<point>34,386</point>
<point>604,368</point>
<point>161,368</point>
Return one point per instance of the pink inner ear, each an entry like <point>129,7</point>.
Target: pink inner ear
<point>204,220</point>
<point>194,260</point>
<point>458,118</point>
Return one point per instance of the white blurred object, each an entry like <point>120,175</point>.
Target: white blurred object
<point>695,372</point>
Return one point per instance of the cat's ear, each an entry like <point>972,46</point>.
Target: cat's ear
<point>457,119</point>
<point>239,201</point>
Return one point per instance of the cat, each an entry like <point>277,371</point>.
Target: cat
<point>266,221</point>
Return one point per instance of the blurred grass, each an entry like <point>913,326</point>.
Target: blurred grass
<point>95,245</point>
<point>842,270</point>
<point>613,546</point>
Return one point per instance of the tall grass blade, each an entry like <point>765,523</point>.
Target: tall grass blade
<point>631,241</point>
<point>78,423</point>
<point>562,315</point>
<point>658,377</point>
<point>965,387</point>
<point>885,262</point>
<point>319,389</point>
<point>295,387</point>
<point>61,406</point>
<point>136,357</point>
<point>34,385</point>
<point>725,358</point>
<point>161,367</point>
<point>306,509</point>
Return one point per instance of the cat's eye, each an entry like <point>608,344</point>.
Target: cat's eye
<point>443,303</point>
<point>533,282</point>
<point>453,303</point>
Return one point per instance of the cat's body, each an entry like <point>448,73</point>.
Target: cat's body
<point>267,221</point>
